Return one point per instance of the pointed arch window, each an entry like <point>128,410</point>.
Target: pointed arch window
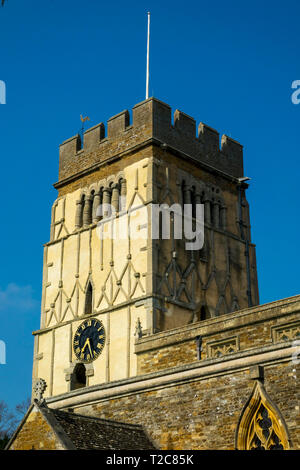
<point>204,314</point>
<point>261,425</point>
<point>88,304</point>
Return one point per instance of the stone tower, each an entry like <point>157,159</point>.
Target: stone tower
<point>133,284</point>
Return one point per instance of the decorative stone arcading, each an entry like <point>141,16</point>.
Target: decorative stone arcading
<point>198,192</point>
<point>106,192</point>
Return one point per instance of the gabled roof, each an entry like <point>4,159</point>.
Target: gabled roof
<point>94,433</point>
<point>78,432</point>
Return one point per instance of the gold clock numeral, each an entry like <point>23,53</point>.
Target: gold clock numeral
<point>101,336</point>
<point>89,322</point>
<point>77,350</point>
<point>99,345</point>
<point>76,343</point>
<point>81,356</point>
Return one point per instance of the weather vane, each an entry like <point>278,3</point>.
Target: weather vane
<point>83,119</point>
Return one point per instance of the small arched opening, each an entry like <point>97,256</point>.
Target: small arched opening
<point>78,378</point>
<point>204,314</point>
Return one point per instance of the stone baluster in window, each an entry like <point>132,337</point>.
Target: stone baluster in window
<point>187,196</point>
<point>123,193</point>
<point>78,215</point>
<point>87,210</point>
<point>223,216</point>
<point>115,197</point>
<point>97,209</point>
<point>207,211</point>
<point>197,201</point>
<point>106,202</point>
<point>216,215</point>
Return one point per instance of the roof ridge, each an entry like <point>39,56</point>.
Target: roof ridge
<point>99,420</point>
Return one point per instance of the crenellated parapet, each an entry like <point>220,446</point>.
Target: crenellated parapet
<point>151,124</point>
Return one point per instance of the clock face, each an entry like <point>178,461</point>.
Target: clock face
<point>89,340</point>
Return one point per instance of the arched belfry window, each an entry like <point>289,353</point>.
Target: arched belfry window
<point>204,314</point>
<point>261,426</point>
<point>88,304</point>
<point>78,378</point>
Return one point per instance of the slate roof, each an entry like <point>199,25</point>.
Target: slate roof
<point>89,433</point>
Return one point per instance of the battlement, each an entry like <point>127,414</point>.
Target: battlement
<point>151,123</point>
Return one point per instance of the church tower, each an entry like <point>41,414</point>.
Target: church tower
<point>106,280</point>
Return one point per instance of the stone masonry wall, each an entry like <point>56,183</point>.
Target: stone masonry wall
<point>151,119</point>
<point>203,414</point>
<point>36,434</point>
<point>189,403</point>
<point>240,331</point>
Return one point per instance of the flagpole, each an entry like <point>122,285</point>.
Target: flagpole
<point>148,45</point>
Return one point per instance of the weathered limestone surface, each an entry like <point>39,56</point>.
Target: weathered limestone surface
<point>135,279</point>
<point>36,434</point>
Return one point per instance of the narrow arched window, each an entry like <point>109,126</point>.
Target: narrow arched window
<point>204,313</point>
<point>78,378</point>
<point>193,201</point>
<point>212,213</point>
<point>88,305</point>
<point>182,192</point>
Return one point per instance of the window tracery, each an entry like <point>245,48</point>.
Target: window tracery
<point>261,425</point>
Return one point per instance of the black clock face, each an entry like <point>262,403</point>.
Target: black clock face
<point>89,340</point>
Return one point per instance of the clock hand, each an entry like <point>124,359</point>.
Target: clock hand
<point>90,347</point>
<point>87,343</point>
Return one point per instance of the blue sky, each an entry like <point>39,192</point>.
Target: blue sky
<point>228,64</point>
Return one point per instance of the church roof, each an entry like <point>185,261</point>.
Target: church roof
<point>87,432</point>
<point>78,432</point>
